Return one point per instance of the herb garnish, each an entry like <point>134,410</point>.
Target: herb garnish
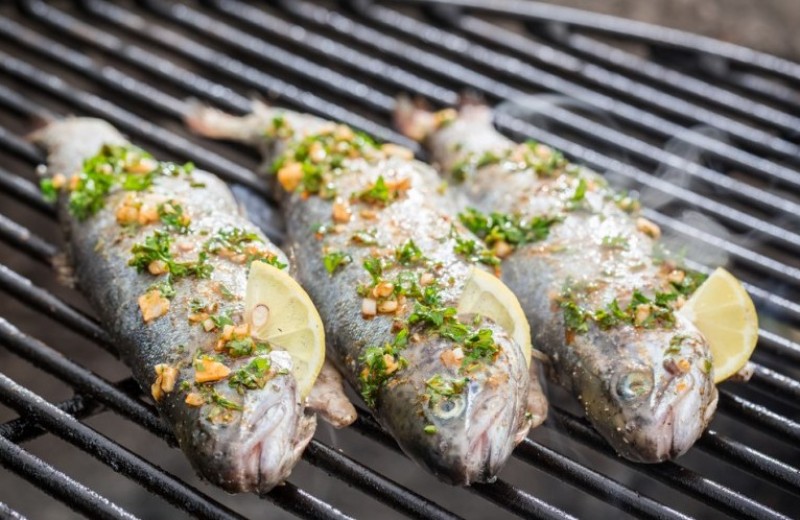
<point>511,229</point>
<point>156,249</point>
<point>173,217</point>
<point>379,364</point>
<point>408,253</point>
<point>334,260</point>
<point>254,375</point>
<point>475,252</point>
<point>615,242</point>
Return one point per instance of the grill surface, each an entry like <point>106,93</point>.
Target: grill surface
<point>697,127</point>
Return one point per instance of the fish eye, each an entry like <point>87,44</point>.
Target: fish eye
<point>448,408</point>
<point>634,385</point>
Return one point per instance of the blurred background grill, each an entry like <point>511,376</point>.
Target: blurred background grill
<point>705,132</point>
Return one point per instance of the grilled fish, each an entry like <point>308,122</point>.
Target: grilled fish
<point>160,250</point>
<point>377,256</point>
<point>601,305</point>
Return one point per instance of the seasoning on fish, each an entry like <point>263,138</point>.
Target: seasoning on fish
<point>377,255</point>
<point>161,252</point>
<point>601,306</point>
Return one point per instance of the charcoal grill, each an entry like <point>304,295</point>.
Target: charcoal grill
<point>637,88</point>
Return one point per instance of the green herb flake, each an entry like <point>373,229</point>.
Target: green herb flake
<point>430,429</point>
<point>379,364</point>
<point>615,242</point>
<point>512,229</point>
<point>252,376</point>
<point>334,260</point>
<point>173,217</point>
<point>378,193</point>
<point>48,189</point>
<point>408,253</point>
<point>156,247</point>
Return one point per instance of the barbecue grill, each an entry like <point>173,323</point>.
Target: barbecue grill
<point>78,428</point>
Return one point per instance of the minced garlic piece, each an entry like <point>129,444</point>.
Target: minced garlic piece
<point>426,279</point>
<point>143,165</point>
<point>195,399</point>
<point>157,267</point>
<point>290,176</point>
<point>453,357</point>
<point>387,306</point>
<point>153,305</point>
<point>391,364</point>
<point>369,307</point>
<point>383,289</point>
<point>642,313</point>
<point>74,181</point>
<point>166,376</point>
<point>59,180</point>
<point>209,370</point>
<point>368,214</point>
<point>393,150</point>
<point>648,228</point>
<point>502,249</point>
<point>148,213</point>
<point>341,211</point>
<point>676,276</point>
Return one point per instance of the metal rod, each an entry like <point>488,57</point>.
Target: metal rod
<point>657,35</point>
<point>681,478</point>
<point>26,191</point>
<point>373,484</point>
<point>59,485</point>
<point>22,239</point>
<point>759,417</point>
<point>157,481</point>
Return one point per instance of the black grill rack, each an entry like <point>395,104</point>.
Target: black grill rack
<point>635,91</point>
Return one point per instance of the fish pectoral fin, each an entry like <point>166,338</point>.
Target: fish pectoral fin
<point>65,272</point>
<point>744,374</point>
<point>537,401</point>
<point>329,400</point>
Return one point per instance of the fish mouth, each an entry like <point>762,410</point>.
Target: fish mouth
<point>488,447</point>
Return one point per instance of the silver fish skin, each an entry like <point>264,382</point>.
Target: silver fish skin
<point>648,391</point>
<point>462,440</point>
<point>248,451</point>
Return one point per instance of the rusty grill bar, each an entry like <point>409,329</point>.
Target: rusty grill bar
<point>135,65</point>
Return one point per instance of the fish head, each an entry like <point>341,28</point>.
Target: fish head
<point>254,448</point>
<point>467,435</point>
<point>653,401</point>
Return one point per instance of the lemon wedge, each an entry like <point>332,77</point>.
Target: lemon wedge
<point>724,313</point>
<point>280,312</point>
<point>486,295</point>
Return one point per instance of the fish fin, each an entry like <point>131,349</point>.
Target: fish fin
<point>744,374</point>
<point>537,400</point>
<point>413,118</point>
<point>328,399</point>
<point>211,122</point>
<point>65,270</point>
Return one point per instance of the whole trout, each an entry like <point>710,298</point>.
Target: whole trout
<point>378,257</point>
<point>161,252</point>
<point>600,304</point>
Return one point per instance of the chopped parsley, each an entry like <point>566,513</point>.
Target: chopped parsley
<point>475,252</point>
<point>379,363</point>
<point>156,247</point>
<point>512,229</point>
<point>237,241</point>
<point>379,193</point>
<point>334,260</point>
<point>615,242</point>
<point>252,376</point>
<point>172,216</point>
<point>642,311</point>
<point>48,189</point>
<point>129,166</point>
<point>408,253</point>
<point>365,237</point>
<point>440,386</point>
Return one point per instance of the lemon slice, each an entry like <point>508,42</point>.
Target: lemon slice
<point>280,312</point>
<point>486,295</point>
<point>723,311</point>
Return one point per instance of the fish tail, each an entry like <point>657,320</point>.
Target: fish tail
<point>214,123</point>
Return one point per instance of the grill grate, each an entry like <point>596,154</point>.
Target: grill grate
<point>134,65</point>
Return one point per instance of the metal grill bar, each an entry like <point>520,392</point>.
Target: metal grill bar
<point>709,92</point>
<point>58,484</point>
<point>654,34</point>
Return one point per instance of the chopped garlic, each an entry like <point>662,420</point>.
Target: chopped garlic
<point>209,370</point>
<point>393,150</point>
<point>648,228</point>
<point>166,376</point>
<point>426,279</point>
<point>153,305</point>
<point>369,307</point>
<point>383,289</point>
<point>387,306</point>
<point>341,211</point>
<point>59,180</point>
<point>157,267</point>
<point>676,276</point>
<point>290,176</point>
<point>502,249</point>
<point>195,399</point>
